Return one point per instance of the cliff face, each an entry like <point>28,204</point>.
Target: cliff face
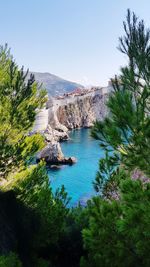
<point>83,111</point>
<point>79,110</point>
<point>73,111</point>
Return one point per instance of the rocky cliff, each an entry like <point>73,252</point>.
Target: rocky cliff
<point>78,110</point>
<point>71,111</point>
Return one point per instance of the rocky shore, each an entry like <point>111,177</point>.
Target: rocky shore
<point>72,111</point>
<point>52,153</point>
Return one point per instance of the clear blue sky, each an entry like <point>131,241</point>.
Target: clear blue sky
<point>75,39</point>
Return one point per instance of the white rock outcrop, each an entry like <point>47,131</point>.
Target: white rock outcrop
<point>52,153</point>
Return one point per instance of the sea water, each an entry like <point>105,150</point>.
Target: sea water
<point>78,178</point>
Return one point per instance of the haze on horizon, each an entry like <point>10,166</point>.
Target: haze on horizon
<point>74,39</point>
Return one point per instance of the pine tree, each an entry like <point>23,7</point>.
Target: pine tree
<point>125,133</point>
<point>19,101</point>
<point>40,213</point>
<point>118,231</point>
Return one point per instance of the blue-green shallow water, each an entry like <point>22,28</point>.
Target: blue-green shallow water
<point>78,178</point>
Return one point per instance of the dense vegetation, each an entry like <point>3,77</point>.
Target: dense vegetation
<point>36,226</point>
<point>119,222</point>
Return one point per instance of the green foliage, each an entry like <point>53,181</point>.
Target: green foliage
<point>10,260</point>
<point>118,232</point>
<point>32,187</point>
<point>42,263</point>
<point>28,187</point>
<point>126,132</point>
<point>48,209</point>
<point>111,187</point>
<point>70,246</point>
<point>19,102</point>
<point>106,171</point>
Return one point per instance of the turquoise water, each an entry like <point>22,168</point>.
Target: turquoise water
<point>78,178</point>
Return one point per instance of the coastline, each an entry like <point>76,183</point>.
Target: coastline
<point>76,110</point>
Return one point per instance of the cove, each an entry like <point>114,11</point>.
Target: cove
<point>78,178</point>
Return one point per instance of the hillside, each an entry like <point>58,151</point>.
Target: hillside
<point>54,84</point>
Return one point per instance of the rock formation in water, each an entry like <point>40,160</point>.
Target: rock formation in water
<point>52,154</point>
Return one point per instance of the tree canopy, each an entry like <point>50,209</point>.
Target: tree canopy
<point>125,133</point>
<point>20,100</point>
<point>118,231</point>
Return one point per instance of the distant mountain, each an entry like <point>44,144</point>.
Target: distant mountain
<point>54,84</point>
